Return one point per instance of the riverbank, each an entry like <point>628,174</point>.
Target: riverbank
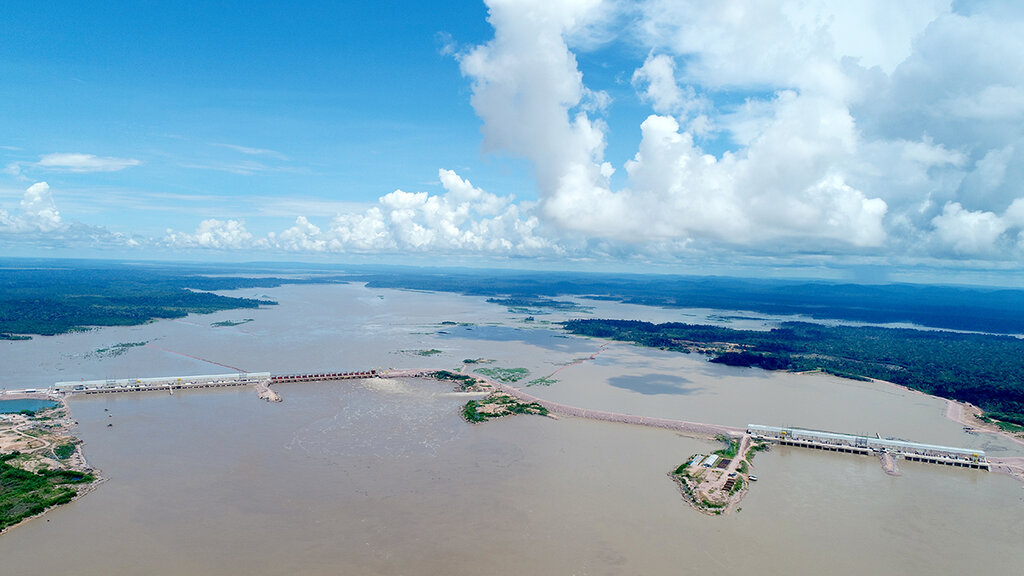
<point>967,414</point>
<point>43,464</point>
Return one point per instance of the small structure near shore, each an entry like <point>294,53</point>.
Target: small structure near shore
<point>714,484</point>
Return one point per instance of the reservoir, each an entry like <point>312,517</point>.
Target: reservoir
<point>15,406</point>
<point>383,476</point>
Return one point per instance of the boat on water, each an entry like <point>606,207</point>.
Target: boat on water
<point>753,478</point>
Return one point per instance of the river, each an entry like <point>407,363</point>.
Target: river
<point>383,477</point>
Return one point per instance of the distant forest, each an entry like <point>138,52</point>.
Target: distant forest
<point>987,371</point>
<point>978,309</point>
<point>975,309</point>
<point>51,299</point>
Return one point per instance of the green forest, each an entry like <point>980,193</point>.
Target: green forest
<point>52,299</point>
<point>24,494</point>
<point>985,370</point>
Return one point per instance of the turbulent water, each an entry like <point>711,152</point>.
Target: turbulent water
<point>383,477</point>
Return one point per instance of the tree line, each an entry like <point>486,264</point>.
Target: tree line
<point>985,370</point>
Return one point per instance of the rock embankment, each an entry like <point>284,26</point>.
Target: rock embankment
<point>265,393</point>
<point>889,464</point>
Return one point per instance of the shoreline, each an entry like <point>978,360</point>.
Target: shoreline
<point>76,461</point>
<point>962,413</point>
<point>717,490</point>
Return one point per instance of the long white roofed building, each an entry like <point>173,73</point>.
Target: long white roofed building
<point>836,442</point>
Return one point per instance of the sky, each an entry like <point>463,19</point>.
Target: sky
<point>873,139</point>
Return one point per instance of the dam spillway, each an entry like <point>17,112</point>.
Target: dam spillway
<point>171,383</point>
<point>867,445</point>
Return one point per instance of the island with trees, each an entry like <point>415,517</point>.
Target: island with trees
<point>984,370</point>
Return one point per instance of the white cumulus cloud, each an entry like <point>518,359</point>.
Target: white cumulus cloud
<point>790,181</point>
<point>463,219</point>
<point>213,233</point>
<point>37,221</point>
<point>37,212</point>
<point>866,128</point>
<point>966,232</point>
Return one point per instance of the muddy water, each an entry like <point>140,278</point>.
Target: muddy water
<point>382,477</point>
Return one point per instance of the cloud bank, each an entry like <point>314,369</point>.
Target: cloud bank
<point>863,129</point>
<point>464,219</point>
<point>36,221</point>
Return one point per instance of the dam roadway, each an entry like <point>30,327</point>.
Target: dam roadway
<point>695,428</point>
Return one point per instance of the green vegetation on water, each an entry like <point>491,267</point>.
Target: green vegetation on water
<point>462,381</point>
<point>24,494</point>
<point>505,375</point>
<point>229,323</point>
<point>117,349</point>
<point>985,370</point>
<point>545,381</point>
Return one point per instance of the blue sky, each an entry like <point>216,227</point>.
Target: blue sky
<point>669,135</point>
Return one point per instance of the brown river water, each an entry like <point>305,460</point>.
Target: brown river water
<point>383,477</point>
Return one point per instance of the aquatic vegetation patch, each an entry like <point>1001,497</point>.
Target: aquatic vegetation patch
<point>504,375</point>
<point>227,323</point>
<point>117,349</point>
<point>463,382</point>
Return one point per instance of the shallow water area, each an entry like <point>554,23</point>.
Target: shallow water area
<point>15,406</point>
